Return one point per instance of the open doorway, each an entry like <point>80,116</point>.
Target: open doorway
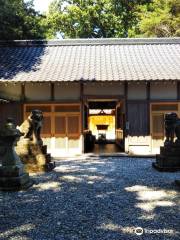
<point>104,126</point>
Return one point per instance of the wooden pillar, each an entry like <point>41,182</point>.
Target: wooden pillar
<point>126,101</point>
<point>126,143</point>
<point>178,90</point>
<point>82,105</point>
<point>52,92</point>
<point>148,92</point>
<point>82,112</point>
<point>23,99</point>
<point>148,97</point>
<point>148,88</point>
<point>23,94</point>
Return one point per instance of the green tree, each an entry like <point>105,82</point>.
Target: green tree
<point>19,20</point>
<point>161,18</point>
<point>92,18</point>
<point>127,9</point>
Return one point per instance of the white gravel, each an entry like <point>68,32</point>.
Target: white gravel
<point>94,198</point>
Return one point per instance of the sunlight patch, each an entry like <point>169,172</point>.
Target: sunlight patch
<point>150,195</point>
<point>19,229</point>
<point>147,216</point>
<point>71,178</point>
<point>48,186</point>
<point>95,178</point>
<point>150,206</point>
<point>136,188</point>
<point>118,228</point>
<point>150,198</point>
<point>66,169</point>
<point>103,195</point>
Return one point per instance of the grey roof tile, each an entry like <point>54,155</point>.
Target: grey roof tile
<point>100,60</point>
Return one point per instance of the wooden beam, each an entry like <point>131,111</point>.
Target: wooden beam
<point>54,102</point>
<point>164,101</point>
<point>23,94</point>
<point>52,92</point>
<point>105,97</point>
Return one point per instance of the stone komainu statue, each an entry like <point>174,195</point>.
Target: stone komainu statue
<point>169,158</point>
<point>31,127</point>
<point>170,121</point>
<point>172,127</point>
<point>30,147</point>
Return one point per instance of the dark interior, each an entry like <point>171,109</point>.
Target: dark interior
<point>102,145</point>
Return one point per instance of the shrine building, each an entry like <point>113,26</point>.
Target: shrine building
<point>93,92</point>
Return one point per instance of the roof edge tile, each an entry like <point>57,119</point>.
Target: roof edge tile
<point>97,41</point>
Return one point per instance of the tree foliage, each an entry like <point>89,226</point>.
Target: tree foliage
<point>90,19</point>
<point>19,20</point>
<point>161,18</point>
<point>93,18</point>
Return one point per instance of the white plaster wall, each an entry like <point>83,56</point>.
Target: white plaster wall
<point>59,147</point>
<point>137,91</point>
<point>138,145</point>
<point>104,89</point>
<point>139,150</point>
<point>37,91</point>
<point>10,91</point>
<point>156,144</point>
<point>64,91</point>
<point>163,91</point>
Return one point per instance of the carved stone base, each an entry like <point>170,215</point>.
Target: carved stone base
<point>13,178</point>
<point>164,169</point>
<point>34,157</point>
<point>169,159</point>
<point>34,168</point>
<point>177,182</point>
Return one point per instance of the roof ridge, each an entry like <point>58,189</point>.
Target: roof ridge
<point>90,41</point>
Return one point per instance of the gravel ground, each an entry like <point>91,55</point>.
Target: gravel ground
<point>94,198</point>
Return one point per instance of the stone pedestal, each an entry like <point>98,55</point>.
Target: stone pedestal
<point>168,159</point>
<point>177,182</point>
<point>12,174</point>
<point>34,156</point>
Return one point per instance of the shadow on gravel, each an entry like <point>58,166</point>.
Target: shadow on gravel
<point>93,199</point>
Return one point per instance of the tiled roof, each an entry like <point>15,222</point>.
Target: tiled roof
<point>90,59</point>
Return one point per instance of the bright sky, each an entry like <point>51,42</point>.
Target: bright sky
<point>41,5</point>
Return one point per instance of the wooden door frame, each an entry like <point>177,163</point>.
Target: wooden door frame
<point>119,100</point>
